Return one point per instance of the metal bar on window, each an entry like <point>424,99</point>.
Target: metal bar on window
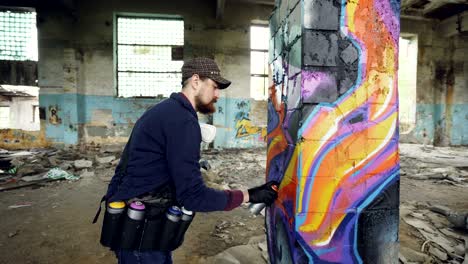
<point>259,75</point>
<point>145,64</point>
<point>260,50</point>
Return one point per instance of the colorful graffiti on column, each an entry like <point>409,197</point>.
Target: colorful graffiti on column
<point>339,170</point>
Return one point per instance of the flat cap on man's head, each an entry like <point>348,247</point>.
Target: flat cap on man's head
<point>204,67</point>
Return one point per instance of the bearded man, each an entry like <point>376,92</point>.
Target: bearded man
<point>164,150</point>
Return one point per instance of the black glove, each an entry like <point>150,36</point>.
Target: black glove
<point>265,193</point>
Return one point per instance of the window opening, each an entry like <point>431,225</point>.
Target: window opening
<point>259,42</point>
<point>407,76</point>
<point>149,56</point>
<point>18,35</point>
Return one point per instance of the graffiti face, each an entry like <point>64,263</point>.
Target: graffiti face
<point>54,119</point>
<point>336,152</point>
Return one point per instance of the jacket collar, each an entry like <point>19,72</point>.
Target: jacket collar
<point>183,100</point>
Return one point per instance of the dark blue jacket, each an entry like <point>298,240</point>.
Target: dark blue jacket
<point>165,148</point>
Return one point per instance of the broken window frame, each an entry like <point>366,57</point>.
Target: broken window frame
<point>178,72</point>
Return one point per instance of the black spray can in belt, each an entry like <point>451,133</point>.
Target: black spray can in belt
<point>256,208</point>
<point>171,227</point>
<point>110,232</point>
<point>132,225</point>
<point>185,221</point>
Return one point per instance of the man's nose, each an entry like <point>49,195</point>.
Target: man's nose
<point>216,93</point>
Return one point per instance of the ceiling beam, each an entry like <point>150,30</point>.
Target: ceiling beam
<point>437,4</point>
<point>405,4</point>
<point>220,9</point>
<point>454,25</point>
<point>257,2</point>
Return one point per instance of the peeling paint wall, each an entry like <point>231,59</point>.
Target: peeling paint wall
<point>22,115</point>
<point>333,132</point>
<point>22,139</point>
<point>76,72</point>
<point>442,85</point>
<point>239,123</point>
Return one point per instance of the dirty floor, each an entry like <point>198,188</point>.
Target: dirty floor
<point>51,222</point>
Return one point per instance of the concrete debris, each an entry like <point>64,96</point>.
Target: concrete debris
<point>263,246</point>
<point>33,178</point>
<point>466,251</point>
<point>12,234</point>
<point>438,253</point>
<point>104,160</point>
<point>15,206</point>
<point>53,161</point>
<point>118,148</point>
<point>81,164</point>
<point>413,256</point>
<point>441,240</point>
<point>41,166</point>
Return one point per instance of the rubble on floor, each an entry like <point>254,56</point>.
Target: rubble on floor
<point>37,167</point>
<point>438,233</point>
<point>226,169</point>
<point>442,236</point>
<point>442,164</point>
<point>431,230</point>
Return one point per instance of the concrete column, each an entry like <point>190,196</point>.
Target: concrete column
<point>333,132</point>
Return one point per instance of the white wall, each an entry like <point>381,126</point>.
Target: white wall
<point>22,114</point>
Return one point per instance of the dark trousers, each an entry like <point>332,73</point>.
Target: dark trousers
<point>143,257</point>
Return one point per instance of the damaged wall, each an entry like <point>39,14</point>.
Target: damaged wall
<point>18,72</point>
<point>442,88</point>
<point>76,72</point>
<point>333,132</point>
<point>23,114</point>
<point>22,139</point>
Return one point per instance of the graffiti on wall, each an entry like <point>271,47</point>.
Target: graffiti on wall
<point>336,151</point>
<point>54,119</point>
<point>243,125</point>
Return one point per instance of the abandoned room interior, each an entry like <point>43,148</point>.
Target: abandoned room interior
<point>357,108</point>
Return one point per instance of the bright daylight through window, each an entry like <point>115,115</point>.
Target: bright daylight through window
<point>18,36</point>
<point>259,41</point>
<point>148,56</point>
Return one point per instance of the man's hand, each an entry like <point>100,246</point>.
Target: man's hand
<point>265,193</point>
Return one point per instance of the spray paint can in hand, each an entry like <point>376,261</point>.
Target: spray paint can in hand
<point>110,232</point>
<point>171,226</point>
<point>132,225</point>
<point>256,208</point>
<point>185,221</point>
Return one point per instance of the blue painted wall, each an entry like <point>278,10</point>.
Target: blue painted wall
<point>430,117</point>
<point>234,128</point>
<point>460,124</point>
<point>76,109</point>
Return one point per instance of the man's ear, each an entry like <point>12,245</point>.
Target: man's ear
<point>195,82</point>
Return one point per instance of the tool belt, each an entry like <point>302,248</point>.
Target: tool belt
<point>150,222</point>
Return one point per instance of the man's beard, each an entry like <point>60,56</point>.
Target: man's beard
<point>205,108</point>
